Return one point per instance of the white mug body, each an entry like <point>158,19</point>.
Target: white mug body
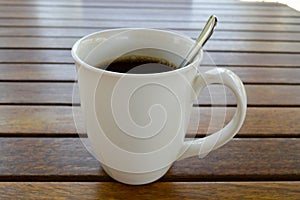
<point>136,123</point>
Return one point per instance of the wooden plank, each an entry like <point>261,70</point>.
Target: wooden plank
<point>60,121</point>
<point>250,35</point>
<point>60,72</point>
<point>175,1</point>
<point>218,35</point>
<point>168,18</point>
<point>36,56</point>
<point>37,42</point>
<point>148,10</point>
<point>161,190</point>
<point>161,4</point>
<point>252,46</point>
<point>38,93</point>
<point>40,120</point>
<point>257,95</point>
<point>67,93</point>
<point>212,58</point>
<point>251,59</point>
<point>261,75</point>
<point>145,24</point>
<point>28,154</point>
<point>37,72</point>
<point>212,45</point>
<point>261,158</point>
<point>56,159</point>
<point>259,122</point>
<point>142,5</point>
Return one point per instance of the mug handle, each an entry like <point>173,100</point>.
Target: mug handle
<point>204,145</point>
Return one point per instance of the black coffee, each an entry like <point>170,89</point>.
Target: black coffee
<point>138,65</point>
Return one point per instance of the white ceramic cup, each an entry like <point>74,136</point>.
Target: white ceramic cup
<point>136,123</point>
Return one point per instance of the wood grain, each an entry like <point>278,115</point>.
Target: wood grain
<point>167,18</point>
<point>145,24</point>
<point>38,72</point>
<point>57,159</point>
<point>259,122</point>
<point>150,10</point>
<point>212,58</point>
<point>48,120</point>
<point>149,5</point>
<point>66,73</point>
<point>260,75</point>
<point>251,59</point>
<point>80,32</point>
<point>212,45</point>
<point>140,4</point>
<point>143,4</point>
<point>257,95</point>
<point>161,190</point>
<point>67,94</point>
<point>161,1</point>
<point>41,154</point>
<point>60,121</point>
<point>38,93</point>
<point>40,56</point>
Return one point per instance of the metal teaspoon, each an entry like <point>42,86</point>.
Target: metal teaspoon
<point>201,40</point>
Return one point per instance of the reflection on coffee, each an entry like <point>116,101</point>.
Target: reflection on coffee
<point>136,64</point>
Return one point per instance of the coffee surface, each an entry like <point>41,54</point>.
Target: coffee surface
<point>138,65</point>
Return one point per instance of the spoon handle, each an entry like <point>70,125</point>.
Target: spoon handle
<point>201,40</point>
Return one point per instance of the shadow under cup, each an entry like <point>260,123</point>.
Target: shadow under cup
<point>140,155</point>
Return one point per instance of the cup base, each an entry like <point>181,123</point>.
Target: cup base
<point>135,178</point>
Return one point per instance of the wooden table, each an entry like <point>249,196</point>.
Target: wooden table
<point>41,155</point>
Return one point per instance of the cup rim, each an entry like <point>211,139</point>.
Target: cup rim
<point>118,74</point>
